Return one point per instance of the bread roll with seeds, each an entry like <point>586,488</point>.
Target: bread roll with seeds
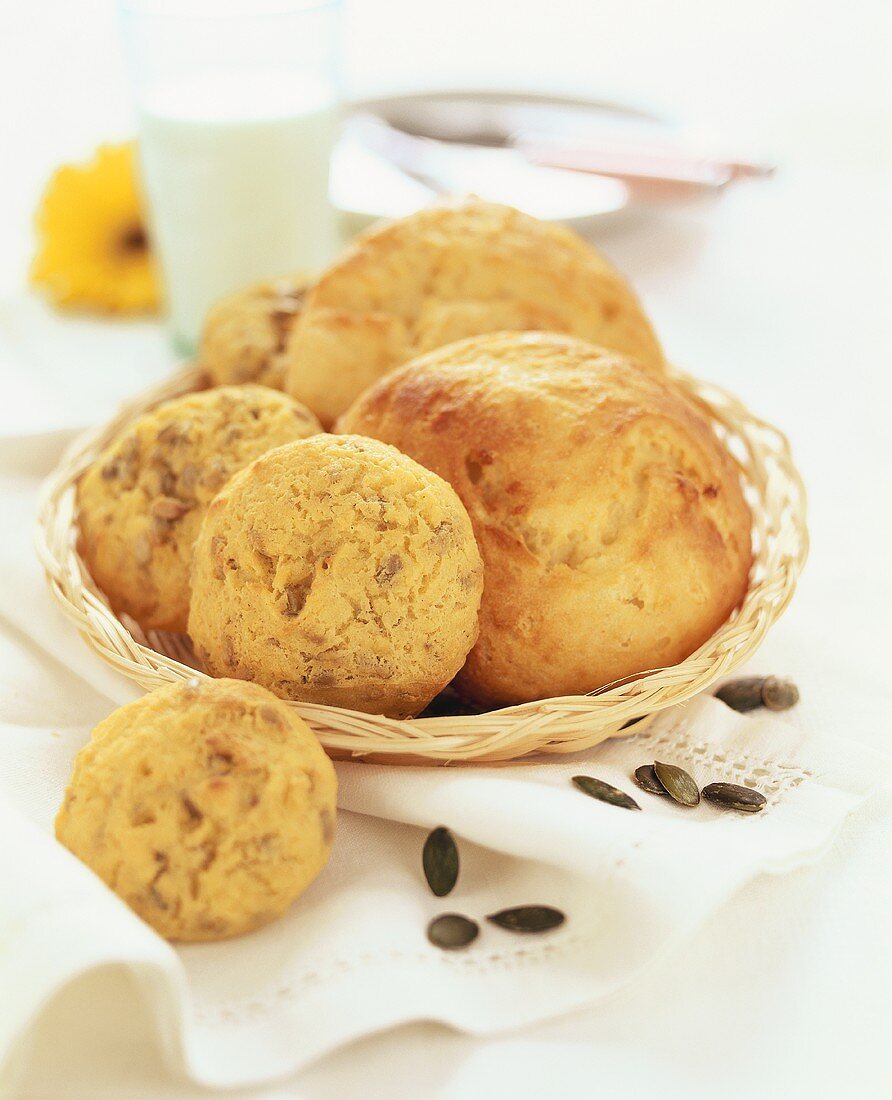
<point>612,523</point>
<point>141,503</point>
<point>245,333</point>
<point>337,571</point>
<point>207,806</point>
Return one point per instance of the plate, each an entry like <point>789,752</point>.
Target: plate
<point>465,139</point>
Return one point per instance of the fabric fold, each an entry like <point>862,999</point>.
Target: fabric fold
<point>633,886</point>
<point>351,956</point>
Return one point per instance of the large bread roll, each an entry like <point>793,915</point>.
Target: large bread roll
<point>445,273</point>
<point>613,528</point>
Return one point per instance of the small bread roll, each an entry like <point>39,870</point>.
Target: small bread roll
<point>207,806</point>
<point>613,528</point>
<point>337,570</point>
<point>245,333</point>
<point>447,272</point>
<point>142,501</point>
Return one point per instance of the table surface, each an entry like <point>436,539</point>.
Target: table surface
<point>780,292</point>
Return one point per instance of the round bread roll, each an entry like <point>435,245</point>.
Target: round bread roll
<point>207,806</point>
<point>142,501</point>
<point>448,272</point>
<point>245,333</point>
<point>613,528</point>
<point>336,570</point>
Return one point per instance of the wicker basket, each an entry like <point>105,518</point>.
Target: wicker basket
<point>567,724</point>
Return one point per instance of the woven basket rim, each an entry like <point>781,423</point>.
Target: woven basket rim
<point>558,725</point>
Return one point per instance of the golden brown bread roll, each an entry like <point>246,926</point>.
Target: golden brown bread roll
<point>445,273</point>
<point>141,503</point>
<point>337,572</point>
<point>245,333</point>
<point>207,806</point>
<point>613,528</point>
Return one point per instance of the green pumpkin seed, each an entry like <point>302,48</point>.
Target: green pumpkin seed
<point>528,918</point>
<point>646,778</point>
<point>440,861</point>
<point>731,796</point>
<point>452,931</point>
<point>604,792</point>
<point>677,784</point>
<point>779,694</point>
<point>759,691</point>
<point>742,695</point>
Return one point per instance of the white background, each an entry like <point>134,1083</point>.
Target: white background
<point>804,79</point>
<point>781,292</point>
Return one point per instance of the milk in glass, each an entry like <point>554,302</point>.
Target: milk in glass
<point>236,174</point>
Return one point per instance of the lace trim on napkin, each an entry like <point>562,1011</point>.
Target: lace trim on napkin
<point>269,1001</point>
<point>773,778</point>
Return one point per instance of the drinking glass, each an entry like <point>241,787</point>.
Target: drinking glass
<point>237,106</point>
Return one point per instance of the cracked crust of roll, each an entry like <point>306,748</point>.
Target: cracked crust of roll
<point>245,334</point>
<point>337,570</point>
<point>445,273</point>
<point>208,807</point>
<point>141,503</point>
<point>611,519</point>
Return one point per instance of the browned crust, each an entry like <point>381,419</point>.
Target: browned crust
<point>448,272</point>
<point>611,520</point>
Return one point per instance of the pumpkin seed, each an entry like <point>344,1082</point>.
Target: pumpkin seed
<point>779,694</point>
<point>440,861</point>
<point>742,695</point>
<point>646,778</point>
<point>385,574</point>
<point>604,792</point>
<point>169,508</point>
<point>677,784</point>
<point>759,691</point>
<point>731,796</point>
<point>452,931</point>
<point>528,918</point>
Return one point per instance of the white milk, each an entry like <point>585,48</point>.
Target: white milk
<point>237,186</point>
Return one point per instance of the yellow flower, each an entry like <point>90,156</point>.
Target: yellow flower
<point>93,250</point>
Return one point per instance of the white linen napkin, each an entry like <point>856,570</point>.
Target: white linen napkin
<point>351,957</point>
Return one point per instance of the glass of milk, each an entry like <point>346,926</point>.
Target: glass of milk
<point>237,104</point>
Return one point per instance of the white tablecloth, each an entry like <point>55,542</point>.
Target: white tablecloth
<point>781,293</point>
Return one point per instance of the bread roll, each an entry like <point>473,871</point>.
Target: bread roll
<point>445,273</point>
<point>208,807</point>
<point>245,333</point>
<point>337,572</point>
<point>141,503</point>
<point>611,520</point>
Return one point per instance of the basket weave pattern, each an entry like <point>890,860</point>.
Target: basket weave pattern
<point>567,724</point>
